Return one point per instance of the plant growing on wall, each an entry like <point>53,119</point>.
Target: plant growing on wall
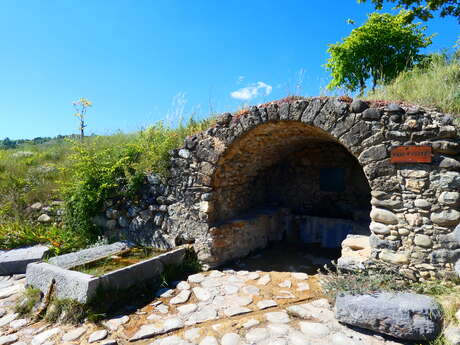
<point>379,50</point>
<point>81,106</point>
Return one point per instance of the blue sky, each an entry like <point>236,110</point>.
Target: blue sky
<point>141,61</point>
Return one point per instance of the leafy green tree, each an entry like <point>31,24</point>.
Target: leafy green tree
<point>424,9</point>
<point>379,50</point>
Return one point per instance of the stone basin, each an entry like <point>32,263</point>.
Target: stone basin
<point>82,287</point>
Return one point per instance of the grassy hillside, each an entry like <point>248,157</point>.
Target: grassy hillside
<point>435,83</point>
<point>81,174</point>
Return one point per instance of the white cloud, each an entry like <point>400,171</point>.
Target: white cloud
<point>240,79</point>
<point>252,91</point>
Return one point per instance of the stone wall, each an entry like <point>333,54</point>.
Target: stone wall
<point>415,207</point>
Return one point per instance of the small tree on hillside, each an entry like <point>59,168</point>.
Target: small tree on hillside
<point>378,50</point>
<point>424,9</point>
<point>81,107</point>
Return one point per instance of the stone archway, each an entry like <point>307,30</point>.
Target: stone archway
<point>286,180</point>
<point>411,221</point>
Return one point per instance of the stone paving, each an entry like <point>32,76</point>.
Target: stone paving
<point>218,307</point>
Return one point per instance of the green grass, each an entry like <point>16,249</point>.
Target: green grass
<point>436,83</point>
<point>27,301</point>
<point>83,174</point>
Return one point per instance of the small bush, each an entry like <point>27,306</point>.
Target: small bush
<point>66,311</point>
<point>112,166</point>
<point>15,234</point>
<point>366,281</point>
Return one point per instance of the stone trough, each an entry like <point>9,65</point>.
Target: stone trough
<point>57,274</point>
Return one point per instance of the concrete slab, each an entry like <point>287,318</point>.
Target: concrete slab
<point>87,255</point>
<point>16,260</point>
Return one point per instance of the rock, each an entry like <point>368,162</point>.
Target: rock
<point>277,317</point>
<point>285,284</point>
<point>201,294</point>
<point>109,342</point>
<point>207,313</point>
<point>358,106</point>
<point>230,339</point>
<point>379,228</point>
<point>446,147</point>
<point>401,315</point>
<point>182,297</point>
<point>209,340</point>
<point>299,275</point>
<point>16,324</point>
<point>394,258</point>
<point>192,334</point>
<point>43,337</point>
<point>183,285</point>
<point>387,203</point>
<point>372,114</point>
<point>44,218</point>
<point>5,320</point>
<point>236,310</point>
<point>267,303</point>
<point>356,242</point>
<point>449,163</point>
<point>114,323</point>
<point>187,308</point>
<point>374,153</point>
<point>423,241</point>
<point>256,335</point>
<point>452,335</point>
<point>98,335</point>
<point>422,203</point>
<point>74,334</point>
<point>449,198</point>
<point>145,332</point>
<point>446,218</point>
<point>394,108</point>
<point>303,287</point>
<point>36,206</point>
<point>16,260</point>
<point>8,339</point>
<point>196,278</point>
<point>251,290</point>
<point>172,324</point>
<point>383,216</point>
<point>251,323</point>
<point>184,153</point>
<point>314,329</point>
<point>264,280</point>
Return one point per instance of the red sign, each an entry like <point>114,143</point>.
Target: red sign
<point>411,154</point>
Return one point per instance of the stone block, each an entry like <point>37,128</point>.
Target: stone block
<point>67,284</point>
<point>401,315</point>
<point>394,258</point>
<point>82,287</point>
<point>15,261</point>
<point>87,255</point>
<point>446,218</point>
<point>383,216</point>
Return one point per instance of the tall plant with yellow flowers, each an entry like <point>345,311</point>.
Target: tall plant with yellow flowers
<point>81,106</point>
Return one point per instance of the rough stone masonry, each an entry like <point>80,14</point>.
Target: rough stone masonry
<point>220,179</point>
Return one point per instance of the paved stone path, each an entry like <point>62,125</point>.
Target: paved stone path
<point>218,307</point>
